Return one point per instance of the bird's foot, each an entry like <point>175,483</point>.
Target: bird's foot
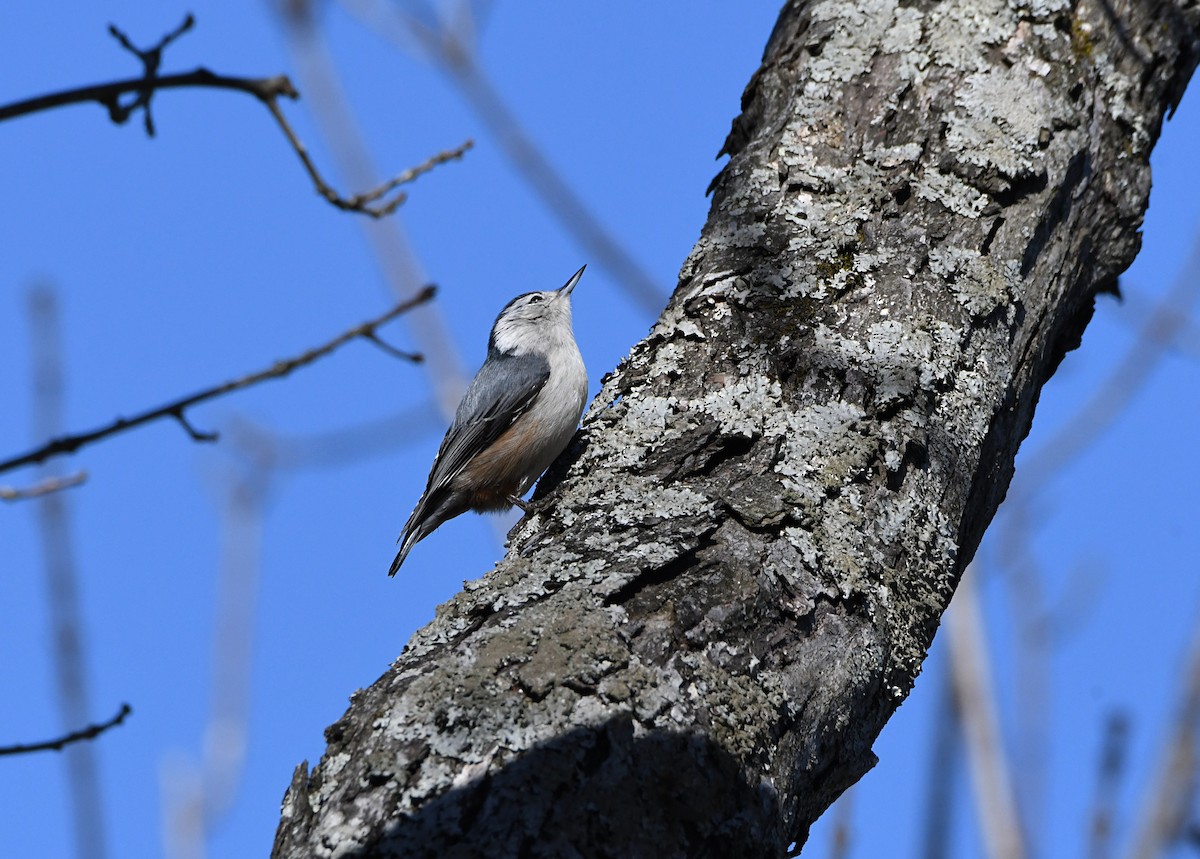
<point>532,507</point>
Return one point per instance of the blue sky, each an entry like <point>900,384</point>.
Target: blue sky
<point>204,254</point>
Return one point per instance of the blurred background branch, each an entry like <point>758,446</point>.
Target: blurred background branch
<point>389,244</point>
<point>1170,797</point>
<point>448,37</point>
<point>67,637</point>
<point>43,487</point>
<point>1155,336</point>
<point>974,694</point>
<point>197,795</point>
<point>1109,774</point>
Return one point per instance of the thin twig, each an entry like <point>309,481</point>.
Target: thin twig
<point>43,487</point>
<point>88,733</point>
<point>151,59</point>
<point>175,409</point>
<point>361,202</point>
<point>196,435</point>
<point>415,357</point>
<point>267,90</point>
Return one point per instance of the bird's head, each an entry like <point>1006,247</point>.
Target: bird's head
<point>534,320</point>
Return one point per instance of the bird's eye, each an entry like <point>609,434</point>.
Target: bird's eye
<point>536,298</point>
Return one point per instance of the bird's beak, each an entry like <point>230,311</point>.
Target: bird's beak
<point>570,284</point>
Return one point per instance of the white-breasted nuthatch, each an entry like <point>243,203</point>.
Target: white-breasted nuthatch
<point>515,418</point>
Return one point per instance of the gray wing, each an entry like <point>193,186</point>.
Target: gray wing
<point>503,389</point>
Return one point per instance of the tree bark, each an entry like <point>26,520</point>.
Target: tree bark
<point>691,651</point>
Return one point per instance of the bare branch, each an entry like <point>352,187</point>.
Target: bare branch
<point>175,409</point>
<point>44,487</point>
<point>266,90</point>
<point>88,733</point>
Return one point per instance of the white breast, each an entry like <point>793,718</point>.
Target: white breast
<point>557,410</point>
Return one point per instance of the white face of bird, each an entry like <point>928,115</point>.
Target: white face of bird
<point>529,321</point>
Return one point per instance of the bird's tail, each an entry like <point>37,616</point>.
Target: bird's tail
<point>410,540</point>
<point>430,512</point>
<point>409,537</point>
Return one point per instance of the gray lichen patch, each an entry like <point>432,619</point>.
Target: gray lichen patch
<point>995,125</point>
<point>958,29</point>
<point>822,450</point>
<point>954,194</point>
<point>979,284</point>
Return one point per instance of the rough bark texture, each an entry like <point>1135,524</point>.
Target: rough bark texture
<point>691,652</point>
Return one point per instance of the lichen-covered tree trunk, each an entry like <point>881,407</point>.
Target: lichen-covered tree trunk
<point>691,651</point>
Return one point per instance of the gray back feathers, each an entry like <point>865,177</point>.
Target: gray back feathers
<point>502,390</point>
